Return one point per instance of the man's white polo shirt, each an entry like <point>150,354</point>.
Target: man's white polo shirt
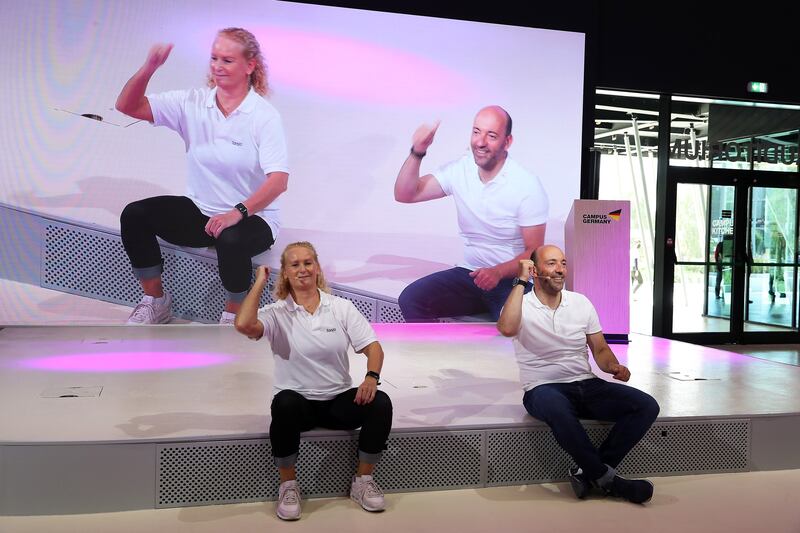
<point>490,214</point>
<point>551,343</point>
<point>311,350</point>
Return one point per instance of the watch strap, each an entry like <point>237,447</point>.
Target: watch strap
<point>418,155</point>
<point>518,281</point>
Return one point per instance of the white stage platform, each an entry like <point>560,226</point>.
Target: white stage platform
<point>182,414</point>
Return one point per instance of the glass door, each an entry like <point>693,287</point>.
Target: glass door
<point>703,284</point>
<point>735,262</point>
<point>772,260</point>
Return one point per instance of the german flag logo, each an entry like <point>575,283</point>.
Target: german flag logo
<point>615,215</point>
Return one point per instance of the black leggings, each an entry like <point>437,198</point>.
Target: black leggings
<point>177,220</point>
<point>293,413</point>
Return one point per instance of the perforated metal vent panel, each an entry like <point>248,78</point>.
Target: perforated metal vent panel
<point>366,306</point>
<point>267,297</point>
<point>87,263</point>
<point>691,448</point>
<point>193,282</point>
<point>532,455</point>
<point>421,461</point>
<point>238,471</point>
<point>196,288</point>
<point>388,312</point>
<point>204,473</point>
<point>94,264</point>
<point>525,456</point>
<point>325,465</point>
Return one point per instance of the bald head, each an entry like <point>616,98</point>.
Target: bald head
<point>500,114</point>
<point>550,269</point>
<point>489,141</point>
<point>545,252</point>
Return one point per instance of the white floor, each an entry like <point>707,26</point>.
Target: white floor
<point>190,381</point>
<point>766,502</point>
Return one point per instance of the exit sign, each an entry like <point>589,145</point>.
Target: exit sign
<point>757,87</point>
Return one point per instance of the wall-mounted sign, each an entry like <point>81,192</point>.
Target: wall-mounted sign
<point>760,151</point>
<point>761,87</point>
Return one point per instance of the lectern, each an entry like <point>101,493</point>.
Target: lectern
<point>597,237</point>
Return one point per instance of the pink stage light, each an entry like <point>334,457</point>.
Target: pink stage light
<point>359,71</point>
<point>435,332</point>
<point>124,361</point>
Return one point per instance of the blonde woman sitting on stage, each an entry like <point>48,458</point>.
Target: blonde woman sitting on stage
<point>310,332</point>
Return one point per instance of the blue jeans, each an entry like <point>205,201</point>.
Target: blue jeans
<point>451,293</point>
<point>560,405</point>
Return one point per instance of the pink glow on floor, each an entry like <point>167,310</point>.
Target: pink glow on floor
<point>435,332</point>
<point>124,361</point>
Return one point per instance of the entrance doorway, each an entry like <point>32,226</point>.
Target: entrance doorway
<point>735,258</point>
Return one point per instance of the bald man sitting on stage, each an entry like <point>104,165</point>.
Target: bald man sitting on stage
<point>551,328</point>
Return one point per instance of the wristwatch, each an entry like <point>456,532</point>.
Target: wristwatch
<point>517,281</point>
<point>242,209</point>
<point>372,374</point>
<point>418,155</point>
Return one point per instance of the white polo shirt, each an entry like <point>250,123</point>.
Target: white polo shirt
<point>490,215</point>
<point>311,350</point>
<point>228,158</point>
<point>551,343</point>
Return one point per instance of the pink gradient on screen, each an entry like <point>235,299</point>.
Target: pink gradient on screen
<point>435,332</point>
<point>124,361</point>
<point>359,71</point>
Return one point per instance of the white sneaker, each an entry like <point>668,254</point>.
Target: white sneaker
<point>227,319</point>
<point>152,310</point>
<point>366,492</point>
<point>289,500</point>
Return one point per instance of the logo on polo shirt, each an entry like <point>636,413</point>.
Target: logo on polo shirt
<point>330,330</point>
<point>236,143</point>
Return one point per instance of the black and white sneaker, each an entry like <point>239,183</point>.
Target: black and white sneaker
<point>579,482</point>
<point>633,490</point>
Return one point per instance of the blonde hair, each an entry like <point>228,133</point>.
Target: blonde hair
<point>282,287</point>
<point>251,51</point>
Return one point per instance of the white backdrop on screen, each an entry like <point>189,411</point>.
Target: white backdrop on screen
<point>351,86</point>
